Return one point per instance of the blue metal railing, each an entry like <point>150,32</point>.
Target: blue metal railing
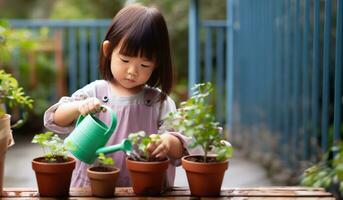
<point>81,42</point>
<point>283,76</point>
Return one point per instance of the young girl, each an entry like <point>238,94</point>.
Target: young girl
<point>134,60</point>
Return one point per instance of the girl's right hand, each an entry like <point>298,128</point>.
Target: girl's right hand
<point>89,105</point>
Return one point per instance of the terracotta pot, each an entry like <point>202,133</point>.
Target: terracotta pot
<point>204,179</point>
<point>5,142</point>
<point>53,179</point>
<point>147,178</point>
<point>103,183</point>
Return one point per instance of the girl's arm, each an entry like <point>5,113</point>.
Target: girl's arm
<point>66,113</point>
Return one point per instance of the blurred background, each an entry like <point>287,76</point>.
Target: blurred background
<point>276,66</point>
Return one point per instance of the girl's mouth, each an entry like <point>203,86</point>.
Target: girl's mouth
<point>130,80</point>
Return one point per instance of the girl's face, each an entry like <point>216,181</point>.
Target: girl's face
<point>130,73</point>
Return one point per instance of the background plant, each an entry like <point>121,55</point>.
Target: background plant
<point>11,94</point>
<point>140,142</point>
<point>53,147</point>
<point>195,119</point>
<point>327,173</point>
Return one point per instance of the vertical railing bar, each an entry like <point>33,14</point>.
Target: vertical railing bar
<point>315,73</point>
<point>93,54</point>
<point>287,79</point>
<point>72,61</point>
<point>305,77</point>
<point>326,93</point>
<point>208,54</point>
<point>296,73</point>
<point>193,44</point>
<point>278,88</point>
<point>273,67</point>
<point>338,72</point>
<point>220,71</point>
<point>230,68</point>
<point>83,67</point>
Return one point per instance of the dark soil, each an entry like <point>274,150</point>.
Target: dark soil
<point>201,159</point>
<point>150,159</point>
<point>59,159</point>
<point>101,169</point>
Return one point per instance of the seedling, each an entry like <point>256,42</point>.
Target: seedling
<point>53,147</point>
<point>140,143</point>
<point>104,160</point>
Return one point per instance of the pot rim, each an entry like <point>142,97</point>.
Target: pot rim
<point>5,117</point>
<point>194,155</point>
<point>35,161</point>
<point>147,163</point>
<point>114,170</point>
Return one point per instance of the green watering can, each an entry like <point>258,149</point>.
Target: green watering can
<point>90,136</point>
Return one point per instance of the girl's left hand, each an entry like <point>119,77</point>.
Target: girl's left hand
<point>160,148</point>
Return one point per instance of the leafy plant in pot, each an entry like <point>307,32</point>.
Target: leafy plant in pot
<point>147,173</point>
<point>103,176</point>
<point>11,96</point>
<point>54,169</point>
<point>195,119</point>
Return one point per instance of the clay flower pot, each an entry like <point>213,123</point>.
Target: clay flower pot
<point>5,142</point>
<point>204,179</point>
<point>53,179</point>
<point>103,180</point>
<point>147,177</point>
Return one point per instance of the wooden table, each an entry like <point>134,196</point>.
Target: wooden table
<point>184,193</point>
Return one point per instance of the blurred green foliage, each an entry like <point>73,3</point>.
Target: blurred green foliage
<point>175,12</point>
<point>327,173</point>
<point>15,48</point>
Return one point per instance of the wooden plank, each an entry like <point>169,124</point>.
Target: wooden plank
<point>123,192</point>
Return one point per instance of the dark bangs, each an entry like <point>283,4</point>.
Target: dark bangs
<point>140,40</point>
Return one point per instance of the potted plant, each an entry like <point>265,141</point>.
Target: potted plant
<point>103,176</point>
<point>147,173</point>
<point>195,119</point>
<point>54,169</point>
<point>11,95</point>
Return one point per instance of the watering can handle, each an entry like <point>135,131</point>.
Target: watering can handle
<point>113,119</point>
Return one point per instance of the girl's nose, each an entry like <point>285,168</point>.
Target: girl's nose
<point>132,70</point>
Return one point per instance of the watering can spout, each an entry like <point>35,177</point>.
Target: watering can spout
<point>125,146</point>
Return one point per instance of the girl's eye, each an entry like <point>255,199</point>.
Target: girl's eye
<point>143,65</point>
<point>124,60</point>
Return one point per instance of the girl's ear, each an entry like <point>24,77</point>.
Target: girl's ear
<point>105,46</point>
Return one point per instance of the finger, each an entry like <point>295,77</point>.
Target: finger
<point>151,147</point>
<point>161,149</point>
<point>162,155</point>
<point>96,106</point>
<point>96,103</point>
<point>89,108</point>
<point>82,110</point>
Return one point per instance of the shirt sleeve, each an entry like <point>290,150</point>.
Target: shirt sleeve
<point>81,94</point>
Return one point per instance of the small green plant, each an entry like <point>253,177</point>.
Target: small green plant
<point>140,142</point>
<point>104,160</point>
<point>53,147</point>
<point>327,173</point>
<point>195,119</point>
<point>11,94</point>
